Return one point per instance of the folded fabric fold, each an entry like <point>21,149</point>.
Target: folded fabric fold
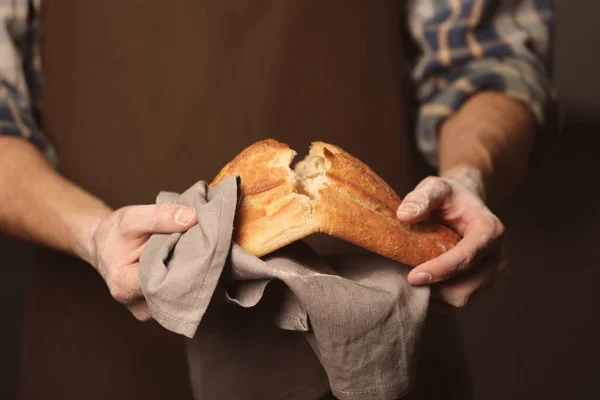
<point>180,271</point>
<point>358,313</point>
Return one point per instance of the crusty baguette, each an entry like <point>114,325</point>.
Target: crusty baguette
<point>331,192</point>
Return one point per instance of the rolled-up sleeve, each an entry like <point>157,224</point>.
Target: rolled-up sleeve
<point>19,74</point>
<point>466,46</point>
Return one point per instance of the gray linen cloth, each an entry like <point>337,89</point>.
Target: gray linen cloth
<point>358,313</point>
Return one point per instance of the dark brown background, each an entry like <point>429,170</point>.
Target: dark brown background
<point>536,334</point>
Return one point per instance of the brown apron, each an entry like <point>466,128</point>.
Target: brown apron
<point>136,89</point>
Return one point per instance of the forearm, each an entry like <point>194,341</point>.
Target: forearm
<point>41,206</point>
<point>487,144</point>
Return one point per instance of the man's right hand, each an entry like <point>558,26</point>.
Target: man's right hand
<point>117,243</point>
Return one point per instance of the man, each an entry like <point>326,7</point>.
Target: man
<point>145,96</point>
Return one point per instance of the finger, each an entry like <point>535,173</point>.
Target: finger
<point>140,310</point>
<point>124,284</point>
<point>160,218</point>
<point>460,291</point>
<point>429,195</point>
<point>478,241</point>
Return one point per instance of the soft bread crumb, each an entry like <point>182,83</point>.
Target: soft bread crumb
<point>307,177</point>
<point>311,167</point>
<point>311,176</point>
<point>311,186</point>
<point>311,172</point>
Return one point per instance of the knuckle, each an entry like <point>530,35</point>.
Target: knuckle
<point>431,180</point>
<point>122,222</point>
<point>118,288</point>
<point>435,182</point>
<point>418,197</point>
<point>493,225</point>
<point>487,223</point>
<point>162,213</point>
<point>436,188</point>
<point>119,293</point>
<point>443,186</point>
<point>461,297</point>
<point>500,229</point>
<point>142,317</point>
<point>460,302</point>
<point>444,192</point>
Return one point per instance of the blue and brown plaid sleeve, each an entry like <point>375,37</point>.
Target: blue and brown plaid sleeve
<point>471,45</point>
<point>20,75</point>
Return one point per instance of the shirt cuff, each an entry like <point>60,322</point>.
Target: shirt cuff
<point>16,119</point>
<point>441,96</point>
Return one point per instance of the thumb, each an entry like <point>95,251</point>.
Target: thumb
<point>161,218</point>
<point>428,196</point>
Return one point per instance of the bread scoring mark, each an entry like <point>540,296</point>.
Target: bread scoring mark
<point>365,198</point>
<point>261,186</point>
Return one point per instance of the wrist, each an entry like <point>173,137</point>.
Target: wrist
<point>471,177</point>
<point>83,233</point>
<point>492,135</point>
<point>84,246</point>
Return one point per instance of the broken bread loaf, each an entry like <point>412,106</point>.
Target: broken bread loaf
<point>331,192</point>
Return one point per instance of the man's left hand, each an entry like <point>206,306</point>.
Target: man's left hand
<point>470,266</point>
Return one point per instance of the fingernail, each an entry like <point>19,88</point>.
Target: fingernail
<point>184,215</point>
<point>420,278</point>
<point>408,209</point>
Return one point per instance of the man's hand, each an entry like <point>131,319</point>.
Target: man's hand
<point>42,206</point>
<point>483,153</point>
<point>473,263</point>
<point>117,243</point>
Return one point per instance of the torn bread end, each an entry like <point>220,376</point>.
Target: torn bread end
<point>311,167</point>
<point>283,159</point>
<point>310,175</point>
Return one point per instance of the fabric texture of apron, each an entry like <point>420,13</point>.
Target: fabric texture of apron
<point>134,90</point>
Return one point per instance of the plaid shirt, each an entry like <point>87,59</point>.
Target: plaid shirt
<point>464,46</point>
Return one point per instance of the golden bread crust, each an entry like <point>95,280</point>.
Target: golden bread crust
<point>257,165</point>
<point>331,192</point>
<point>357,205</point>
